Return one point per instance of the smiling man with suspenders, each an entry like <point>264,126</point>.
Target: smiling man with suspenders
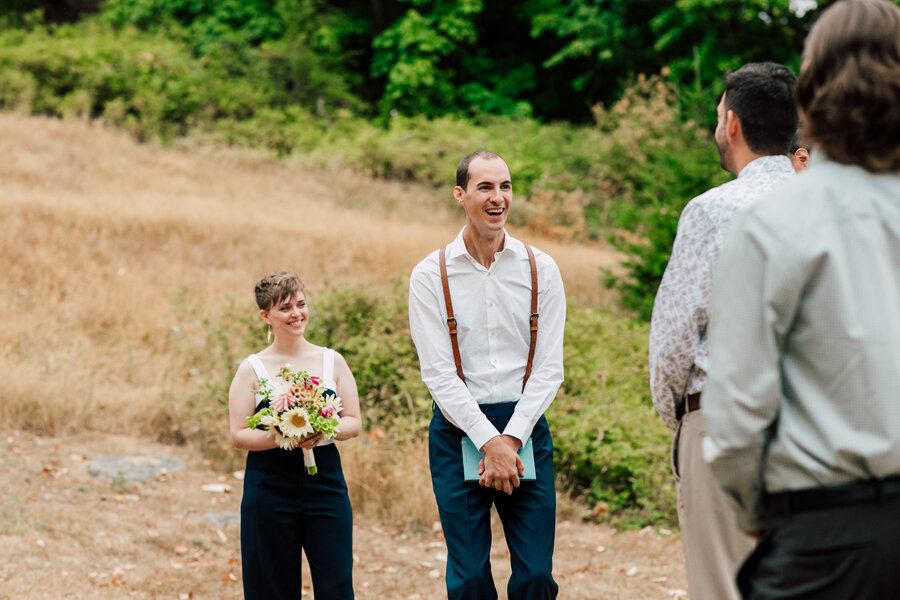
<point>487,314</point>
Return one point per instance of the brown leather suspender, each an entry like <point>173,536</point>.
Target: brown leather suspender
<point>533,319</point>
<point>451,320</point>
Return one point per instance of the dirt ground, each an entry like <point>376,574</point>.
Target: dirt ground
<point>66,534</point>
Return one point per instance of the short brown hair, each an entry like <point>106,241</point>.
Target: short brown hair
<point>849,89</point>
<point>462,170</point>
<point>276,287</point>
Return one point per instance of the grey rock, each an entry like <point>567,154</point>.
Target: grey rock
<point>134,467</point>
<point>223,519</point>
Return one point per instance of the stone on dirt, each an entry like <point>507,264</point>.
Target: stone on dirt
<point>134,467</point>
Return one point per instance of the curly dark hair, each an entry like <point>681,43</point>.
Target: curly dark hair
<point>275,287</point>
<point>849,87</point>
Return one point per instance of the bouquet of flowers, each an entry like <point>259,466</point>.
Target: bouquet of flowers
<point>298,407</point>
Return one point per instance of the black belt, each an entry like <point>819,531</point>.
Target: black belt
<point>848,494</point>
<point>692,402</point>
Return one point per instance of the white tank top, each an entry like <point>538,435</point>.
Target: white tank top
<point>327,375</point>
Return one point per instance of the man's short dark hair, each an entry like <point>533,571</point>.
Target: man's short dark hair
<point>462,170</point>
<point>762,97</point>
<point>849,88</point>
<point>796,142</point>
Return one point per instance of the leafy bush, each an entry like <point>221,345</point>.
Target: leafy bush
<point>610,446</point>
<point>655,164</point>
<point>148,84</point>
<point>152,83</point>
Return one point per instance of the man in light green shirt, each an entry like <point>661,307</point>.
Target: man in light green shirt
<point>802,402</point>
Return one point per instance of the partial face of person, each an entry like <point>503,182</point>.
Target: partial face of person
<point>487,196</point>
<point>288,316</point>
<point>721,135</point>
<point>800,159</point>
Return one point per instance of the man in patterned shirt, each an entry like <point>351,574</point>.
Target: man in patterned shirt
<point>757,119</point>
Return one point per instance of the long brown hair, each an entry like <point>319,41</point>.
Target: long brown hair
<point>849,88</point>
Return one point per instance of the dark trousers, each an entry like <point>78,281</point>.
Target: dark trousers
<point>283,510</point>
<point>528,515</point>
<point>842,552</point>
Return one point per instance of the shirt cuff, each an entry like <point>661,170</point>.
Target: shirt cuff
<point>519,427</point>
<point>481,432</point>
<point>749,522</point>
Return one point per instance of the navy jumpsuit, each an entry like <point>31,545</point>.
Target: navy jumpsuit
<point>284,510</point>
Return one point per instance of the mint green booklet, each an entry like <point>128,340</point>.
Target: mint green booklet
<point>471,457</point>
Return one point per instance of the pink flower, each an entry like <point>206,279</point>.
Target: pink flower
<point>326,411</point>
<point>283,402</point>
<point>314,380</point>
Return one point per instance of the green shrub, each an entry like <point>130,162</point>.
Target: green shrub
<point>371,329</point>
<point>655,164</point>
<point>610,446</point>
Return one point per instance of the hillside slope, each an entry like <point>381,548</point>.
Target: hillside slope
<point>107,243</point>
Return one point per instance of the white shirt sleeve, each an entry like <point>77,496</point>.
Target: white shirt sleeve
<point>430,334</point>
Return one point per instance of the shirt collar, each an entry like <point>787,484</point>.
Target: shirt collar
<point>767,165</point>
<point>511,244</point>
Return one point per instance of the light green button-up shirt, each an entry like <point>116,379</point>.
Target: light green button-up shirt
<point>804,338</point>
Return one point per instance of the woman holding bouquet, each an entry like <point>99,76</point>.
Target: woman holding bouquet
<point>284,508</point>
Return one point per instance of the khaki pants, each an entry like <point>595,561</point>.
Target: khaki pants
<point>714,545</point>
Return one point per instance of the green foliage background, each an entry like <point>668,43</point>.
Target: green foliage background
<point>603,109</point>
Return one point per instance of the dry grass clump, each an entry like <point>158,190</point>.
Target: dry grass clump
<point>390,481</point>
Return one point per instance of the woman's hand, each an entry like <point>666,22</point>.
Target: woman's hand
<point>312,440</point>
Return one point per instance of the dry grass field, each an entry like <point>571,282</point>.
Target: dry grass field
<point>104,242</point>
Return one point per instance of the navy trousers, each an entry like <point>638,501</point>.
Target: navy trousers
<point>528,515</point>
<point>283,510</point>
<point>838,553</point>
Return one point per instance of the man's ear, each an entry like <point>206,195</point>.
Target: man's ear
<point>458,194</point>
<point>732,125</point>
<point>800,159</point>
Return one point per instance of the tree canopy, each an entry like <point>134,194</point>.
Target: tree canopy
<point>550,59</point>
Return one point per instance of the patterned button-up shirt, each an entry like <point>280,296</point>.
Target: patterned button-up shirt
<point>679,356</point>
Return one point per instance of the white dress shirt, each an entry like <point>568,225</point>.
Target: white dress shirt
<point>492,308</point>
